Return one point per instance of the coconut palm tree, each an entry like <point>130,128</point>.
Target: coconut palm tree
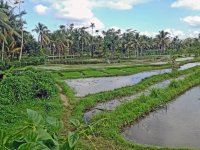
<point>92,45</point>
<point>42,32</point>
<point>136,43</point>
<point>163,40</point>
<point>8,28</point>
<point>83,38</point>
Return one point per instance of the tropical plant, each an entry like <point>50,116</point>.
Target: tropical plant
<point>42,32</point>
<point>163,40</point>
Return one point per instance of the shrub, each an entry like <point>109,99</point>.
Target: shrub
<point>14,89</point>
<point>24,62</point>
<point>25,85</point>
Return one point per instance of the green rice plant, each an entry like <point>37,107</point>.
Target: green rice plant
<point>71,74</point>
<point>115,71</point>
<point>129,112</point>
<point>93,73</point>
<point>155,92</point>
<point>90,101</point>
<point>174,84</point>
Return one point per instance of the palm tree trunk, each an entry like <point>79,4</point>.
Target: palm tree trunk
<point>53,55</point>
<point>59,54</point>
<point>82,51</point>
<point>2,52</point>
<point>22,45</point>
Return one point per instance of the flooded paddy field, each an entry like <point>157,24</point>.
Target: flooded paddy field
<point>175,125</point>
<point>87,86</point>
<point>112,104</point>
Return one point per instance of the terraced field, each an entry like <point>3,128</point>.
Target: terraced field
<point>117,108</point>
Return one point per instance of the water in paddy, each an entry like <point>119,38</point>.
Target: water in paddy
<point>176,125</point>
<point>87,86</point>
<point>51,67</point>
<point>112,104</point>
<point>178,60</point>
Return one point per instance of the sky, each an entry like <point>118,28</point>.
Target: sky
<point>178,17</point>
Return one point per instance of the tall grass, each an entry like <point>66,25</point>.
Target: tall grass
<point>129,112</point>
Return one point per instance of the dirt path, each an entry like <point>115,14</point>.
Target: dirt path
<point>63,97</point>
<point>66,112</point>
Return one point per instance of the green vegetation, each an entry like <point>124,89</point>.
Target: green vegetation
<point>89,101</point>
<point>111,127</point>
<point>72,45</point>
<point>105,71</point>
<point>41,132</point>
<point>22,89</point>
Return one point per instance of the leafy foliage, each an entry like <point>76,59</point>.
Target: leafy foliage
<point>37,134</point>
<point>25,85</point>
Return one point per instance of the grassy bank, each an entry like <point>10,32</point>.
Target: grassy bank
<point>90,101</point>
<point>82,71</point>
<point>129,112</point>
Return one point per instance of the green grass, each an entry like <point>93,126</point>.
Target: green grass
<point>129,112</point>
<point>14,116</point>
<point>115,71</point>
<point>72,74</point>
<point>107,71</point>
<point>104,72</point>
<point>94,73</point>
<point>13,107</point>
<point>90,101</point>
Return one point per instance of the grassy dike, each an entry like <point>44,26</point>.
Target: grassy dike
<point>77,107</point>
<point>129,112</point>
<point>90,101</point>
<point>105,72</point>
<point>109,71</point>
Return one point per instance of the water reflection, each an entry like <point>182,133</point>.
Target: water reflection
<point>87,86</point>
<point>177,125</point>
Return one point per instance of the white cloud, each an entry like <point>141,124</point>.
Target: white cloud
<point>174,33</point>
<point>80,12</point>
<point>41,9</point>
<point>193,21</point>
<point>149,34</point>
<point>192,4</point>
<point>117,4</point>
<point>73,9</point>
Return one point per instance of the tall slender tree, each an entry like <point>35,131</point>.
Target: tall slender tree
<point>163,40</point>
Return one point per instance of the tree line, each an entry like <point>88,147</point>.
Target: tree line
<point>83,42</point>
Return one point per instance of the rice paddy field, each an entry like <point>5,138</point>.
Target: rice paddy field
<point>99,75</point>
<point>133,106</point>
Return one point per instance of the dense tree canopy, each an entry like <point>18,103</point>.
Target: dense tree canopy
<point>83,42</point>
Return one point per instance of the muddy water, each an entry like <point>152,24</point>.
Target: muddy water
<point>189,65</point>
<point>111,105</point>
<point>87,86</point>
<point>177,125</point>
<point>178,60</point>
